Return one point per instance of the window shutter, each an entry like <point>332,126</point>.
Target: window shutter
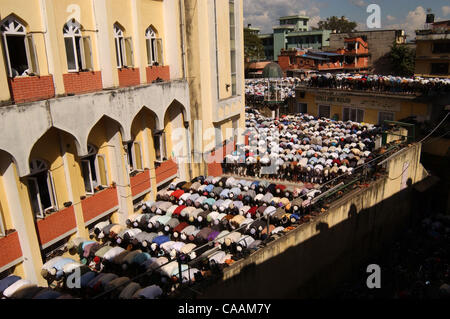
<point>138,155</point>
<point>51,190</point>
<point>123,52</point>
<point>2,227</point>
<point>159,52</point>
<point>86,169</point>
<point>33,63</point>
<point>102,170</point>
<point>360,115</point>
<point>86,47</point>
<point>129,52</point>
<point>7,55</point>
<point>149,52</point>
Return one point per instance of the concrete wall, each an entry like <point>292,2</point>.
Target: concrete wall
<point>315,256</point>
<point>26,123</point>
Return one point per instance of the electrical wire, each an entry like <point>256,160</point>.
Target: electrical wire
<point>437,126</point>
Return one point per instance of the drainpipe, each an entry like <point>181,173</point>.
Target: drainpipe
<point>182,33</point>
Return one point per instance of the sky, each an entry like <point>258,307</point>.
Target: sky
<point>408,15</point>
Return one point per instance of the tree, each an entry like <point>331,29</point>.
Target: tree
<point>253,47</point>
<point>402,59</point>
<point>341,25</point>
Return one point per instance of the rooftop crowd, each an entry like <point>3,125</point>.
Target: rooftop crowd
<point>258,89</point>
<point>380,83</point>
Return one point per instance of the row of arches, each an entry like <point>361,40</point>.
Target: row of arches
<point>96,169</point>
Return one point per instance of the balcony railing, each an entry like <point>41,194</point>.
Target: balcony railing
<point>99,205</point>
<point>11,252</point>
<point>140,183</point>
<point>56,226</point>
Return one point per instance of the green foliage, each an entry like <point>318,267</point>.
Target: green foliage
<point>253,47</point>
<point>402,59</point>
<point>341,25</point>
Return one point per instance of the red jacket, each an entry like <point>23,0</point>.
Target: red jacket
<point>177,193</point>
<point>178,210</point>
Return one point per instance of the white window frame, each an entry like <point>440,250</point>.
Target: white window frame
<point>72,30</point>
<point>88,162</point>
<point>151,39</point>
<point>13,27</point>
<point>92,151</point>
<point>33,180</point>
<point>120,46</point>
<point>353,108</point>
<point>36,167</point>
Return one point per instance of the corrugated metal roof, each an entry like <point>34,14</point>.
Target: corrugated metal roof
<point>313,57</point>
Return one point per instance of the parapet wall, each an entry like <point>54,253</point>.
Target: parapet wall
<point>311,259</point>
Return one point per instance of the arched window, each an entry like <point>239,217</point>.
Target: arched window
<point>41,188</point>
<point>154,47</point>
<point>20,52</point>
<point>94,170</point>
<point>150,40</point>
<point>124,48</point>
<point>118,39</point>
<point>78,48</point>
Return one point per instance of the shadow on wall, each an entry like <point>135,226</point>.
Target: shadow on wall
<point>313,268</point>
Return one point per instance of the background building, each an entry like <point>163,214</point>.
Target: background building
<point>379,42</point>
<point>353,57</point>
<point>433,50</point>
<point>293,33</point>
<point>102,103</point>
<point>359,106</point>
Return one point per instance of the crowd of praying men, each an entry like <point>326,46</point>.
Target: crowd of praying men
<point>380,83</point>
<point>168,236</point>
<point>301,148</point>
<point>259,90</point>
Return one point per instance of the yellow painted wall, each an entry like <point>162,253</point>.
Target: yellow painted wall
<point>173,119</point>
<point>87,22</point>
<point>19,270</point>
<point>28,11</point>
<point>5,213</point>
<point>151,14</point>
<point>98,138</point>
<point>223,43</point>
<point>4,89</point>
<point>30,225</point>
